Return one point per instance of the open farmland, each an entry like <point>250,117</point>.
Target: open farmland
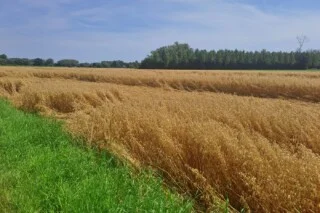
<point>250,137</point>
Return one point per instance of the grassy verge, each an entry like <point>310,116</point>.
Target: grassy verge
<point>42,170</point>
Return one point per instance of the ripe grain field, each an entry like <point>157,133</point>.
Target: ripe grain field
<point>249,137</point>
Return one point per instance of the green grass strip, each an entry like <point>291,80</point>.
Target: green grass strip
<point>43,170</point>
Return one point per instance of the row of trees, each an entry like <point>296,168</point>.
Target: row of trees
<point>181,56</point>
<point>4,60</point>
<point>25,61</point>
<point>111,64</point>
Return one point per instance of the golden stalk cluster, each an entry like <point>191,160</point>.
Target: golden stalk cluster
<point>263,154</point>
<point>286,85</point>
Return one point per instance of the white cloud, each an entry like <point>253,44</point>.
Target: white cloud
<point>236,25</point>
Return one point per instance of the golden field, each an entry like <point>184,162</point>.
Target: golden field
<point>251,137</point>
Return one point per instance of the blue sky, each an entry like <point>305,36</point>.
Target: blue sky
<point>98,30</point>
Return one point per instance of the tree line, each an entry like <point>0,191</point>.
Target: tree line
<point>4,60</point>
<point>182,56</point>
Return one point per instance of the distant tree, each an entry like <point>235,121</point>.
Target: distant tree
<point>49,62</point>
<point>96,65</point>
<point>118,64</point>
<point>84,65</point>
<point>3,56</point>
<point>67,63</point>
<point>175,56</point>
<point>181,56</point>
<point>38,62</point>
<point>301,39</point>
<point>19,61</point>
<point>133,65</point>
<point>302,60</point>
<point>3,61</point>
<point>106,64</point>
<point>314,58</point>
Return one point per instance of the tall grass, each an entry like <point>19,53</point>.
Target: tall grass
<point>219,146</point>
<point>289,85</point>
<point>261,154</point>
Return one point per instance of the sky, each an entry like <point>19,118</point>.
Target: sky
<point>96,30</point>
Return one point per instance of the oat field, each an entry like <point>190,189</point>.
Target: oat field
<point>249,137</point>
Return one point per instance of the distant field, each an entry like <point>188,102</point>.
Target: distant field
<point>246,136</point>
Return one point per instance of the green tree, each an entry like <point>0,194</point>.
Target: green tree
<point>3,61</point>
<point>106,64</point>
<point>3,56</point>
<point>67,63</point>
<point>19,61</point>
<point>84,65</point>
<point>38,62</point>
<point>49,62</point>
